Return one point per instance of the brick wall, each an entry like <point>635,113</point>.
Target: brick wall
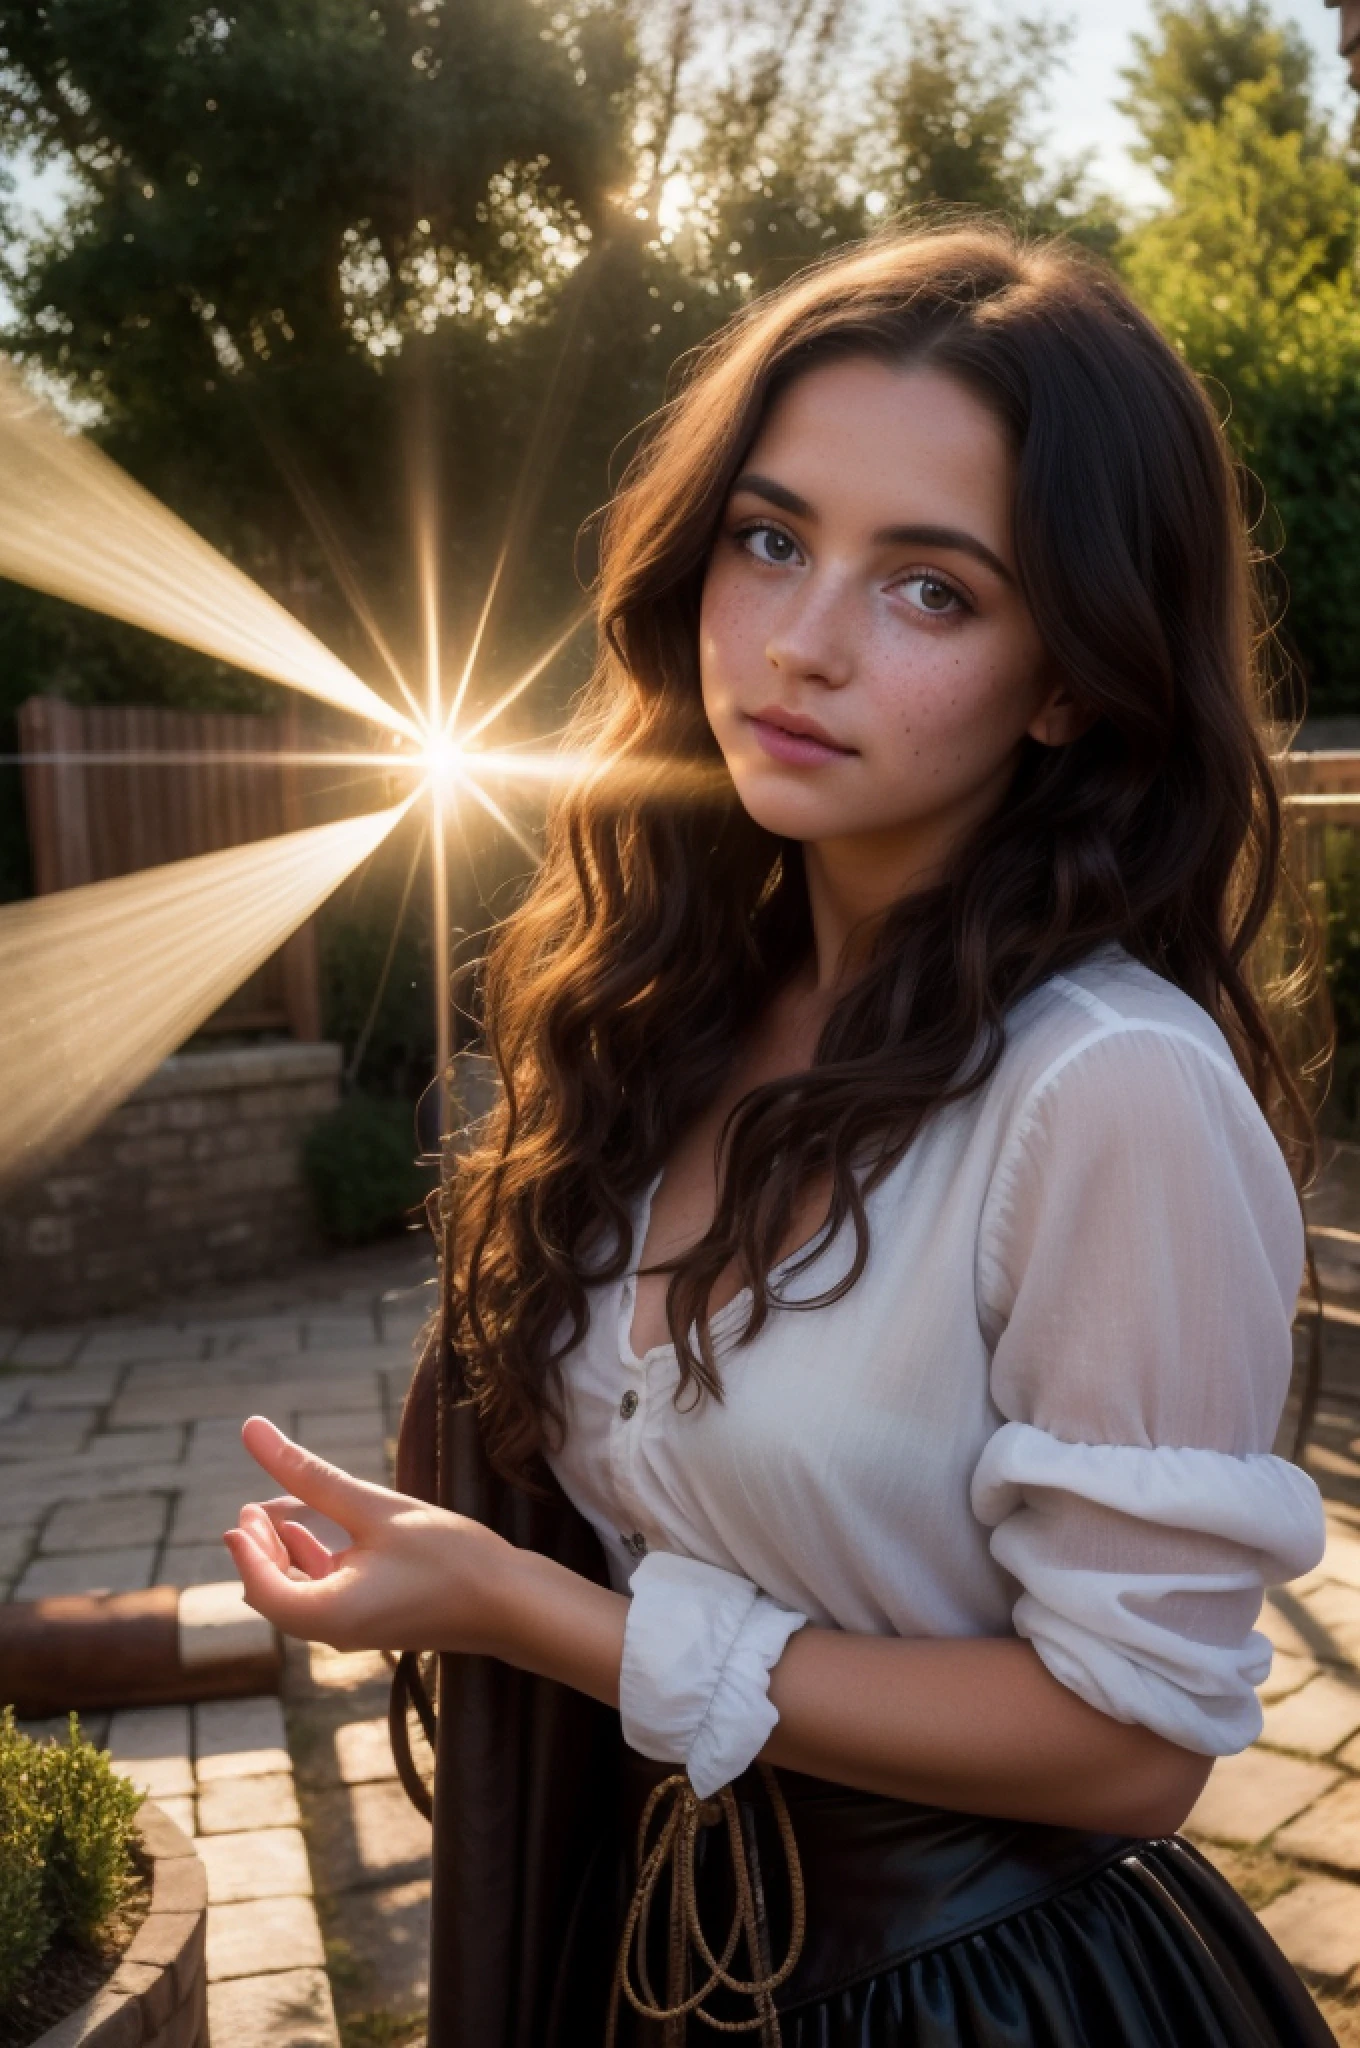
<point>195,1179</point>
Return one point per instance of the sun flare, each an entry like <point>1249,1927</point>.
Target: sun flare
<point>101,982</point>
<point>442,757</point>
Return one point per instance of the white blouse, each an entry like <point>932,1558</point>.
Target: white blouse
<point>1046,1408</point>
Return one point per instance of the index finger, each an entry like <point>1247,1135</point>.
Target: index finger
<point>286,1507</point>
<point>353,1503</point>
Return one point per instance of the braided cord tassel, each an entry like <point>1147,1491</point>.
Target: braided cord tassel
<point>683,1815</point>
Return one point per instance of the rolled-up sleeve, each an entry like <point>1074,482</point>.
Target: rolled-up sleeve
<point>1138,1264</point>
<point>699,1645</point>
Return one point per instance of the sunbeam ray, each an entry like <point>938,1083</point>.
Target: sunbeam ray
<point>522,683</point>
<point>102,982</point>
<point>356,1058</point>
<point>494,810</point>
<point>443,999</point>
<point>565,382</point>
<point>337,556</point>
<point>526,761</point>
<point>76,526</point>
<point>626,779</point>
<point>475,648</point>
<point>360,758</point>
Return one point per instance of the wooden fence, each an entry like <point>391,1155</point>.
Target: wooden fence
<point>1320,789</point>
<point>188,785</point>
<point>1323,787</point>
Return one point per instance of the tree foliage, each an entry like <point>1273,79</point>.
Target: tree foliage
<point>1197,55</point>
<point>1252,269</point>
<point>292,221</point>
<point>957,119</point>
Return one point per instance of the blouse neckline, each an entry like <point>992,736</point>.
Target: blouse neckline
<point>1107,951</point>
<point>719,1322</point>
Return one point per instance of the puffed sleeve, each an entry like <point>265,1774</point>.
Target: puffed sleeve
<point>1139,1258</point>
<point>699,1645</point>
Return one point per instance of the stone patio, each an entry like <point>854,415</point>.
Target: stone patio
<point>120,1465</point>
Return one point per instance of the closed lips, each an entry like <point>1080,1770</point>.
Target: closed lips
<point>800,728</point>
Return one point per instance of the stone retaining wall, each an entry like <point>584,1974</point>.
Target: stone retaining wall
<point>194,1180</point>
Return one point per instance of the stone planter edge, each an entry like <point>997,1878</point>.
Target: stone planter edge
<point>158,1995</point>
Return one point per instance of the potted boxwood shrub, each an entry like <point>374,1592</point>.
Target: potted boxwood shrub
<point>102,1905</point>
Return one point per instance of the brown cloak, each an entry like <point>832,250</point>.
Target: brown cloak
<point>525,1775</point>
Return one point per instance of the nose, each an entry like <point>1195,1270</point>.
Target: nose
<point>812,637</point>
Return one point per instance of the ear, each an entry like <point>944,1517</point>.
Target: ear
<point>1060,719</point>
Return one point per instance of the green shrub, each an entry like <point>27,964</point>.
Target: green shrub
<point>67,1822</point>
<point>26,1924</point>
<point>93,1813</point>
<point>361,1168</point>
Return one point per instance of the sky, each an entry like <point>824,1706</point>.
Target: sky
<point>1081,115</point>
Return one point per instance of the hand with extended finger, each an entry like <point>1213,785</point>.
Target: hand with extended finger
<point>413,1577</point>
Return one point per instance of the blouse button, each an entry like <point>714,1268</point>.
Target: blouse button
<point>636,1544</point>
<point>628,1405</point>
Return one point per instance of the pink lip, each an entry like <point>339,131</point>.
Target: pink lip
<point>800,741</point>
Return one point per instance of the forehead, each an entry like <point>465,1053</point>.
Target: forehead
<point>867,443</point>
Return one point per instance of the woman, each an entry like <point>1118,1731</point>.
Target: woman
<point>885,1239</point>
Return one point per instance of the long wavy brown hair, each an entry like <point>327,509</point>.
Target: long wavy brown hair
<point>663,918</point>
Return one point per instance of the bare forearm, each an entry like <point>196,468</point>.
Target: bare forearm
<point>975,1724</point>
<point>562,1626</point>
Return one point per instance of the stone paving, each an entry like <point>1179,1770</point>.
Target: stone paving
<point>120,1465</point>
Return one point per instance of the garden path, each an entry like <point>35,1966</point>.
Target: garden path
<point>120,1465</point>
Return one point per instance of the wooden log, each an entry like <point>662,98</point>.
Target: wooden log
<point>156,1648</point>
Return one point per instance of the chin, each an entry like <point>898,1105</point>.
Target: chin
<point>793,814</point>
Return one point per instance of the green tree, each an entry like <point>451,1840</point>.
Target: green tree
<point>1186,70</point>
<point>947,115</point>
<point>292,218</point>
<point>959,120</point>
<point>1251,268</point>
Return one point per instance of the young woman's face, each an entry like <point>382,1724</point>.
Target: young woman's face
<point>869,665</point>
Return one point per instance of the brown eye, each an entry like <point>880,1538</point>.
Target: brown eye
<point>769,544</point>
<point>932,594</point>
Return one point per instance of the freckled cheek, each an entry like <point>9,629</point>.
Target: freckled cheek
<point>941,695</point>
<point>732,632</point>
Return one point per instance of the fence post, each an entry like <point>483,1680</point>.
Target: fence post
<point>56,797</point>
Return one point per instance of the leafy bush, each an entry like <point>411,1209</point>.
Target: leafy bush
<point>361,1169</point>
<point>26,1926</point>
<point>92,1811</point>
<point>66,1833</point>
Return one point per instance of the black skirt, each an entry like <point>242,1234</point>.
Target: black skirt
<point>925,1928</point>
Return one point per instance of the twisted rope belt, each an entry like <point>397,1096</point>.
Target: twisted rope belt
<point>674,1849</point>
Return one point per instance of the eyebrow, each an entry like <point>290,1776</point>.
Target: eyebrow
<point>955,537</point>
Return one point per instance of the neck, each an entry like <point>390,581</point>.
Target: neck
<point>855,879</point>
<point>852,884</point>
